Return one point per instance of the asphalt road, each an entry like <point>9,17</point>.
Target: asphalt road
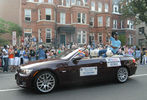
<point>134,89</point>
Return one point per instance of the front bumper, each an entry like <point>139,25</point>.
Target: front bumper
<point>23,81</point>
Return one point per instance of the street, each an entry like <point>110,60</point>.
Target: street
<point>134,89</point>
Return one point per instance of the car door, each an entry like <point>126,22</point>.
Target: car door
<point>85,69</point>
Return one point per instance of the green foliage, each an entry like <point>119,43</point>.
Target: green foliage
<point>135,8</point>
<point>9,27</point>
<point>122,38</point>
<point>4,42</point>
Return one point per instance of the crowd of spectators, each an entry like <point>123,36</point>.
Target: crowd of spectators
<point>13,56</point>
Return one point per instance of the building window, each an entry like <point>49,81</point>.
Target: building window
<point>39,14</point>
<point>50,1</point>
<point>141,30</point>
<point>41,1</point>
<point>106,7</point>
<point>81,18</point>
<point>62,18</point>
<point>91,21</point>
<point>100,21</point>
<point>100,38</point>
<point>82,37</point>
<point>48,36</point>
<point>100,7</point>
<point>115,8</point>
<point>85,1</point>
<point>28,15</point>
<point>107,21</point>
<point>73,2</point>
<point>130,40</point>
<point>28,32</point>
<point>122,24</point>
<point>79,2</point>
<point>115,24</point>
<point>48,13</point>
<point>130,24</point>
<point>30,0</point>
<point>93,6</point>
<point>68,3</point>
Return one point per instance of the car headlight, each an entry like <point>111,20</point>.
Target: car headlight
<point>25,71</point>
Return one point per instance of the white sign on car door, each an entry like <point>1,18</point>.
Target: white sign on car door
<point>88,71</point>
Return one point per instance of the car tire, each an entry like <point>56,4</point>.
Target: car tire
<point>45,82</point>
<point>122,74</point>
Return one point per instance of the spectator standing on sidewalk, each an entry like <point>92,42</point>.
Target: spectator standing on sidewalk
<point>5,58</point>
<point>26,56</point>
<point>32,54</point>
<point>11,58</point>
<point>17,56</point>
<point>41,53</point>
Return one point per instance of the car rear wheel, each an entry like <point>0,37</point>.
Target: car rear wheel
<point>45,82</point>
<point>122,75</point>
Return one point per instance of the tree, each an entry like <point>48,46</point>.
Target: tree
<point>136,9</point>
<point>9,27</point>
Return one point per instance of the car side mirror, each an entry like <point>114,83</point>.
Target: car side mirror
<point>76,59</point>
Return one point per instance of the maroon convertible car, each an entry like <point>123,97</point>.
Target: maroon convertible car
<point>71,67</point>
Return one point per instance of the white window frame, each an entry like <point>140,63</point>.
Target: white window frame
<point>62,18</point>
<point>50,35</point>
<point>82,33</point>
<point>50,1</point>
<point>48,12</point>
<point>81,18</point>
<point>100,21</point>
<point>30,0</point>
<point>78,3</point>
<point>106,7</point>
<point>39,14</point>
<point>92,6</point>
<point>130,24</point>
<point>73,2</point>
<point>115,9</point>
<point>108,21</point>
<point>100,35</point>
<point>115,24</point>
<point>100,7</point>
<point>67,3</point>
<point>41,1</point>
<point>91,21</point>
<point>28,13</point>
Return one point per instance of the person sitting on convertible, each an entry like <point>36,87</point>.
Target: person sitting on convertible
<point>114,46</point>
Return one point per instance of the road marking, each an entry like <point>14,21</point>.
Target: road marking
<point>139,75</point>
<point>6,90</point>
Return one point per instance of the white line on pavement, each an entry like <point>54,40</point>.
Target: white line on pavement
<point>7,90</point>
<point>139,75</point>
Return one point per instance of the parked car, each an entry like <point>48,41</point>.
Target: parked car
<point>73,67</point>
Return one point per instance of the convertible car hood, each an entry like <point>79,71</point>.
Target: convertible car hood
<point>41,63</point>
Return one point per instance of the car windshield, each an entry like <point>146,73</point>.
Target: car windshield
<point>68,53</point>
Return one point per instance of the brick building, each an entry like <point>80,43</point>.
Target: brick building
<point>66,21</point>
<point>125,27</point>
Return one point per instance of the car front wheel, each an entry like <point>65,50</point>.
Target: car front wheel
<point>122,75</point>
<point>45,82</point>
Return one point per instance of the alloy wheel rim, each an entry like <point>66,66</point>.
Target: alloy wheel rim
<point>122,74</point>
<point>45,82</point>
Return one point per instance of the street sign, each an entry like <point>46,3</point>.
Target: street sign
<point>14,38</point>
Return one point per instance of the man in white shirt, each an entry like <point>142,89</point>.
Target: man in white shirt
<point>5,58</point>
